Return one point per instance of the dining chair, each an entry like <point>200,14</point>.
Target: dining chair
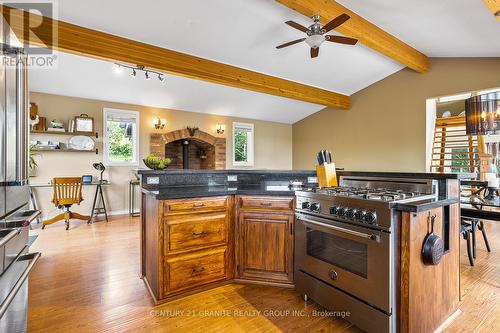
<point>67,192</point>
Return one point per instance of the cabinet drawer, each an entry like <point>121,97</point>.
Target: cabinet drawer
<point>196,269</point>
<point>195,205</point>
<point>198,230</point>
<point>266,203</point>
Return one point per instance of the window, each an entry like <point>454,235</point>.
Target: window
<point>243,144</point>
<point>121,137</point>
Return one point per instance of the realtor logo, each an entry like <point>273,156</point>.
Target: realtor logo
<point>32,26</point>
<point>28,25</point>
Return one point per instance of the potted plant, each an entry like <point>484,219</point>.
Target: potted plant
<point>32,162</point>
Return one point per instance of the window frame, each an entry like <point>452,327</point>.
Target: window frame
<point>135,147</point>
<point>250,144</point>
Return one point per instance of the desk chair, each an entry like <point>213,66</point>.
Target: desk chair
<point>67,192</point>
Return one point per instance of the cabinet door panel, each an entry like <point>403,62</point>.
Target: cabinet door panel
<point>265,244</point>
<point>266,247</point>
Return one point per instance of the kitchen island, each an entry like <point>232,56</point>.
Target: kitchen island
<point>201,229</point>
<point>217,226</point>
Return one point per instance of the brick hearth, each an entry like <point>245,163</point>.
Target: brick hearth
<point>170,145</point>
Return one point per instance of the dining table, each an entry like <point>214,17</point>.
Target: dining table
<point>483,202</point>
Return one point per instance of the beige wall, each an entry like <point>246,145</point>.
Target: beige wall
<point>385,128</point>
<point>273,145</point>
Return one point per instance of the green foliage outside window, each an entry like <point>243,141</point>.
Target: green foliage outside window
<point>240,146</point>
<point>460,160</point>
<point>120,145</point>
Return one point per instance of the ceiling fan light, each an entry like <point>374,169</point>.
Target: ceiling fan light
<point>315,41</point>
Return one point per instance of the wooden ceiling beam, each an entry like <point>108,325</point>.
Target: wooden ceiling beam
<point>367,33</point>
<point>96,44</point>
<point>494,7</point>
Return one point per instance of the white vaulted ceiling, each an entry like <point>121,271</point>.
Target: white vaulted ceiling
<point>244,33</point>
<point>443,28</point>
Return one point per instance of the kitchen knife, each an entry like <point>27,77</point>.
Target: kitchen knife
<point>323,156</point>
<point>330,157</point>
<point>319,158</point>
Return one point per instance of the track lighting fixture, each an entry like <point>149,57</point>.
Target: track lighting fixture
<point>147,72</point>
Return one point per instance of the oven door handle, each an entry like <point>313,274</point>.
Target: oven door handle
<point>33,257</point>
<point>344,230</point>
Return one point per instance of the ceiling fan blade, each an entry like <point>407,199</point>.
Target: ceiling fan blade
<point>290,43</point>
<point>341,40</point>
<point>314,52</point>
<point>297,26</point>
<point>336,22</point>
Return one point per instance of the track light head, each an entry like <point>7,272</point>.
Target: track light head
<point>161,78</point>
<point>117,69</point>
<point>133,74</point>
<point>146,74</point>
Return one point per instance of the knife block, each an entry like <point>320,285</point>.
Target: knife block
<point>327,176</point>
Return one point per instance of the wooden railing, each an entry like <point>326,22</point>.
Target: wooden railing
<point>452,149</point>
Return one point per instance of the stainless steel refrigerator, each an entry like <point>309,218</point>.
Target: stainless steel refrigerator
<point>16,262</point>
<point>14,192</point>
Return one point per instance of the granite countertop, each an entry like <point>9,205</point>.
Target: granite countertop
<point>423,205</point>
<point>179,192</point>
<point>225,171</point>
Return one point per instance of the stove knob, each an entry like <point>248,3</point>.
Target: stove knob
<point>370,217</point>
<point>343,211</point>
<point>352,213</point>
<point>334,210</point>
<point>314,207</point>
<point>306,205</point>
<point>362,215</point>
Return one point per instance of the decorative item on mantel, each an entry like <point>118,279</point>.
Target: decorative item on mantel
<point>192,130</point>
<point>482,114</point>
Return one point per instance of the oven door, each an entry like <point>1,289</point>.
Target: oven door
<point>351,258</point>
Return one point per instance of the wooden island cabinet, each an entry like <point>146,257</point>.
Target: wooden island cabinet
<point>264,239</point>
<point>193,244</point>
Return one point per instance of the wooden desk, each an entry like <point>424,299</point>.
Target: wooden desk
<point>50,185</point>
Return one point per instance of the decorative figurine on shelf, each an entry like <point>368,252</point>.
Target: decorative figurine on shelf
<point>34,118</point>
<point>56,126</point>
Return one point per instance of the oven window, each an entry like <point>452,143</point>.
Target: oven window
<point>341,252</point>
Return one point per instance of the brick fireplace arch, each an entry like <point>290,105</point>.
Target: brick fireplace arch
<point>205,151</point>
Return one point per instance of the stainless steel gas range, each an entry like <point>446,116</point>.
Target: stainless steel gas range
<point>346,246</point>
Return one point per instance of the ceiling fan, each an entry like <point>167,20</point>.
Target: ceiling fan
<point>316,34</point>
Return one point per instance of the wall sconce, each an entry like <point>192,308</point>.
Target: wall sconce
<point>220,128</point>
<point>159,123</point>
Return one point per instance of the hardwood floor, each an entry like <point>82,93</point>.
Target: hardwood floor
<point>87,280</point>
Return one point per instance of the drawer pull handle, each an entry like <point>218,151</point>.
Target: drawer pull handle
<point>197,270</point>
<point>198,205</point>
<point>200,234</point>
<point>266,204</point>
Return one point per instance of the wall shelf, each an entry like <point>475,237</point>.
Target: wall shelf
<point>65,150</point>
<point>65,133</point>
